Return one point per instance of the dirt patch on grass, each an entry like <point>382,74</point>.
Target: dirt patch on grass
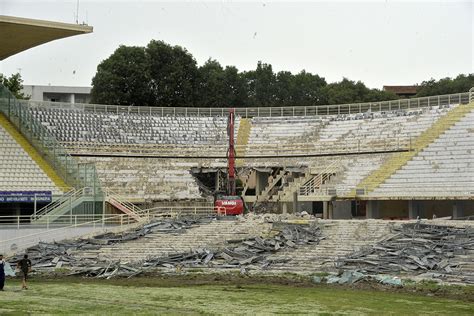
<point>430,289</point>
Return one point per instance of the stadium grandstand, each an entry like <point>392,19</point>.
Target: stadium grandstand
<point>375,160</point>
<point>83,168</point>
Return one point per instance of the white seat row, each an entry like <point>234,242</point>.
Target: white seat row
<point>444,168</point>
<point>18,171</point>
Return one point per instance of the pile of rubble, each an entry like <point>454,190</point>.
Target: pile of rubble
<point>56,254</point>
<point>249,252</point>
<point>243,254</point>
<point>417,248</point>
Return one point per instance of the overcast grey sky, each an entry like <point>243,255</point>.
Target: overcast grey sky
<point>378,42</point>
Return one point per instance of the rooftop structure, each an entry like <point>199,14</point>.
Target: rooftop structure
<point>58,93</point>
<point>19,34</point>
<point>402,91</point>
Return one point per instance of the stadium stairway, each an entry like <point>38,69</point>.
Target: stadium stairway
<point>391,165</point>
<point>243,135</point>
<point>265,194</point>
<point>34,154</point>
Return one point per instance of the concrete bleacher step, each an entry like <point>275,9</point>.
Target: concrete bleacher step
<point>210,235</point>
<point>22,167</point>
<point>341,239</point>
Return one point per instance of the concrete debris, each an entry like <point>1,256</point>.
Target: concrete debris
<point>61,254</point>
<point>354,276</point>
<point>417,248</point>
<point>243,254</point>
<point>252,252</point>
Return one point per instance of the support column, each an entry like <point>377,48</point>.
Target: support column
<point>415,209</point>
<point>284,208</point>
<point>331,210</point>
<point>326,209</point>
<point>372,209</point>
<point>261,181</point>
<point>458,209</point>
<point>295,202</point>
<point>217,184</point>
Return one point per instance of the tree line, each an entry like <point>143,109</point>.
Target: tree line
<point>164,75</point>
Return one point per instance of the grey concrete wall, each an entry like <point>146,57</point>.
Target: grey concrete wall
<point>341,210</point>
<point>40,93</point>
<point>305,206</point>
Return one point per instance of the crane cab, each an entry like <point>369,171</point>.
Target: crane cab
<point>229,205</point>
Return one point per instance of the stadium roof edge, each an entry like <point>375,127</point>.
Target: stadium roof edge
<point>19,34</point>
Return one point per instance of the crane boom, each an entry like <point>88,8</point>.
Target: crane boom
<point>231,154</point>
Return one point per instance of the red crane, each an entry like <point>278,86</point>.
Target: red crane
<point>230,204</point>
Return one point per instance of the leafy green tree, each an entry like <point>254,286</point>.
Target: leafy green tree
<point>348,91</point>
<point>234,88</point>
<point>308,89</point>
<point>164,75</point>
<point>284,88</point>
<point>173,73</point>
<point>462,83</point>
<point>123,78</point>
<point>261,85</point>
<point>210,85</point>
<point>14,83</point>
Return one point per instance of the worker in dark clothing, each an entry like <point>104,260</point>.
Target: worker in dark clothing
<point>24,265</point>
<point>2,273</point>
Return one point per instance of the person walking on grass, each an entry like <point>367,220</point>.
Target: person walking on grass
<point>24,265</point>
<point>2,273</point>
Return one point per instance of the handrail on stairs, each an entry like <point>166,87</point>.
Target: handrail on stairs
<point>134,210</point>
<point>105,223</point>
<point>317,181</point>
<point>68,197</point>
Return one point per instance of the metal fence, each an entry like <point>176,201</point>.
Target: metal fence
<point>75,174</point>
<point>69,228</point>
<point>400,104</point>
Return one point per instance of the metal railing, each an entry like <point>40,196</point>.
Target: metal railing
<point>125,206</point>
<point>181,211</point>
<point>74,226</point>
<point>450,190</point>
<point>352,108</point>
<point>73,173</point>
<point>314,185</point>
<point>108,223</point>
<point>49,221</point>
<point>66,199</point>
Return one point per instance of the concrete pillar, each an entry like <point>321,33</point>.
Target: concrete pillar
<point>412,211</point>
<point>325,210</point>
<point>415,209</point>
<point>217,181</point>
<point>261,181</point>
<point>458,209</point>
<point>331,210</point>
<point>73,98</point>
<point>284,208</point>
<point>295,202</point>
<point>373,209</point>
